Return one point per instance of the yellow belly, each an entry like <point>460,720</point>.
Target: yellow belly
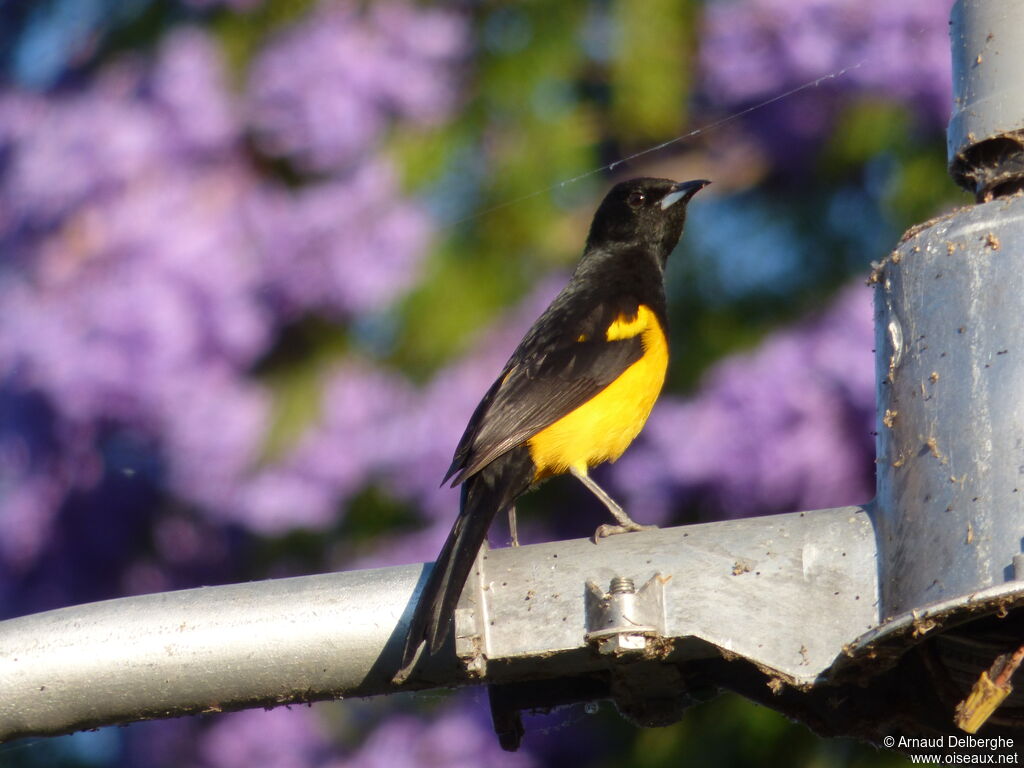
<point>603,427</point>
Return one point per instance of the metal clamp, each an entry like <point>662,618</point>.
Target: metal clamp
<point>624,620</point>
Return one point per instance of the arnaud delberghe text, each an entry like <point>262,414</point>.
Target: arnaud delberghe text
<point>956,742</point>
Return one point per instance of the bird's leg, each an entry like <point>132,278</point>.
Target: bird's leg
<point>625,522</point>
<point>513,531</point>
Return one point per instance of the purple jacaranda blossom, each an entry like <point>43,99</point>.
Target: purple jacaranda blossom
<point>30,501</point>
<point>180,539</point>
<point>423,47</point>
<point>757,49</point>
<point>130,124</point>
<point>187,550</point>
<point>453,738</point>
<point>286,737</point>
<point>325,90</point>
<point>211,428</point>
<point>78,148</point>
<point>34,475</point>
<point>188,82</point>
<point>784,428</point>
<point>402,548</point>
<point>362,422</point>
<point>148,271</point>
<point>280,498</point>
<point>373,427</point>
<point>127,297</point>
<point>368,406</point>
<point>131,298</point>
<point>55,162</point>
<point>341,247</point>
<point>822,57</point>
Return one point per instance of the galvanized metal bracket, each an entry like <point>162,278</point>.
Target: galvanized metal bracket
<point>472,618</point>
<point>788,591</point>
<point>625,620</point>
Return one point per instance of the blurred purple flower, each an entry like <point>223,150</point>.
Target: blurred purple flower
<point>453,738</point>
<point>286,737</point>
<point>211,428</point>
<point>755,49</point>
<point>189,83</point>
<point>343,246</point>
<point>366,406</point>
<point>55,160</point>
<point>323,92</point>
<point>456,736</point>
<point>784,428</point>
<point>33,477</point>
<point>361,422</point>
<point>136,301</point>
<point>149,269</point>
<point>85,146</point>
<point>420,546</point>
<point>128,300</point>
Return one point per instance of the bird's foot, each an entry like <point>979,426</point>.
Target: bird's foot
<point>603,531</point>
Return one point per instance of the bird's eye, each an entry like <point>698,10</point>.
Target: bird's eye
<point>635,199</point>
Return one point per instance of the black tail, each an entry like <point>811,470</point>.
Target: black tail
<point>493,488</point>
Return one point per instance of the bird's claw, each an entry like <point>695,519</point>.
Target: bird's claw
<point>603,531</point>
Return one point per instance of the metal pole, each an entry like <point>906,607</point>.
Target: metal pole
<point>528,613</point>
<point>950,341</point>
<point>201,650</point>
<point>950,504</point>
<point>985,140</point>
<point>949,512</point>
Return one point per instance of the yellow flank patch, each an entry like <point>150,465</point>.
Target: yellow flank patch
<point>604,426</point>
<point>627,327</point>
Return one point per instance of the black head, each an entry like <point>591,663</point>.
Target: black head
<point>645,213</point>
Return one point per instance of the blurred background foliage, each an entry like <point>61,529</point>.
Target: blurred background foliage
<point>260,258</point>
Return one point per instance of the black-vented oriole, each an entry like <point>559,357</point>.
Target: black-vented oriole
<point>575,392</point>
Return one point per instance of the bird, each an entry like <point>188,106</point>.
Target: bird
<point>574,394</point>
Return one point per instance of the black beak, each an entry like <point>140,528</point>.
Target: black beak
<point>683,191</point>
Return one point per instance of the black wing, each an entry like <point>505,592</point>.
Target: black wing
<point>561,363</point>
